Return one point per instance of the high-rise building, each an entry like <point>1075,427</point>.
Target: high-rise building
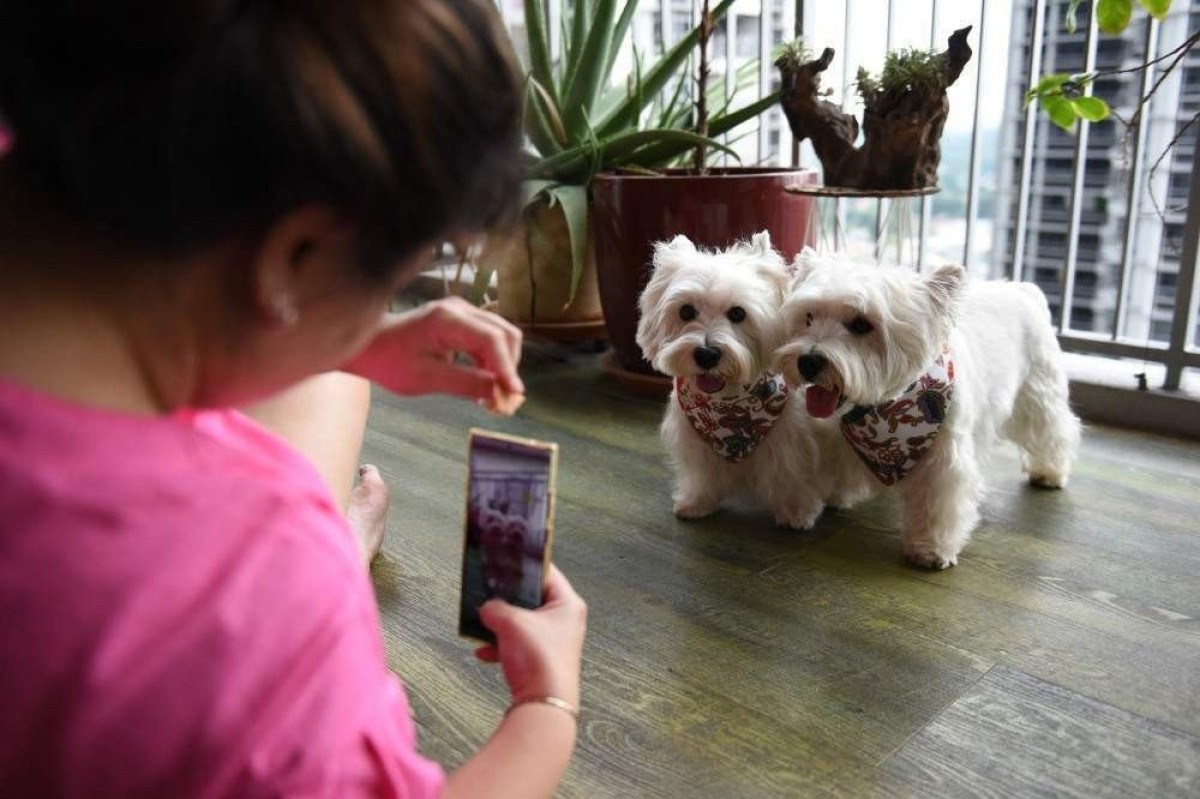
<point>1107,236</point>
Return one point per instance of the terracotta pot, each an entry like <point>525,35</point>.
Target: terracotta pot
<point>534,292</point>
<point>631,212</point>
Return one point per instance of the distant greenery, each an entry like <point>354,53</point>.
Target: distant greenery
<point>953,172</point>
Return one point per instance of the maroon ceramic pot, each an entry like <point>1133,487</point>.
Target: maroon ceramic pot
<point>631,212</point>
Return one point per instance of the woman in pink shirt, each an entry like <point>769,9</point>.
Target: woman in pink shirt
<point>203,203</point>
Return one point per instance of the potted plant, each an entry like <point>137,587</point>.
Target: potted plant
<point>712,206</point>
<point>577,125</point>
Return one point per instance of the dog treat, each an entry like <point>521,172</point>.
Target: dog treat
<point>503,402</point>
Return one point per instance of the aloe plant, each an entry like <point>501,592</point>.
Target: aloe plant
<point>578,125</point>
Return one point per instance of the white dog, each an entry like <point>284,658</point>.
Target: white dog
<point>711,320</point>
<point>926,374</point>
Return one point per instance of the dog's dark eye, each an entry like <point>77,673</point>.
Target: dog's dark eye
<point>860,326</point>
<point>687,313</point>
<point>736,314</point>
<point>808,319</point>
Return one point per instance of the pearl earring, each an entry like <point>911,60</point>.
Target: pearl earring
<point>285,312</point>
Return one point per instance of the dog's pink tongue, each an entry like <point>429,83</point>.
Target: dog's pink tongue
<point>821,402</point>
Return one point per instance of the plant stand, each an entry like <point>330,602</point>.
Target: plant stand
<point>897,235</point>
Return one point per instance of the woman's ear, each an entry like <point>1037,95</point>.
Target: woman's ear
<point>302,257</point>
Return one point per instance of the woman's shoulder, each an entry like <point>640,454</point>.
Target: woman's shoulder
<point>179,490</point>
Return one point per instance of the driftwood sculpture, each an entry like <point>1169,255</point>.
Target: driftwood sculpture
<point>904,112</point>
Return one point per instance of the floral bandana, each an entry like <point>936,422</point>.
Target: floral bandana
<point>892,437</point>
<point>732,419</point>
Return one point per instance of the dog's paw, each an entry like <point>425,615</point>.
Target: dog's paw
<point>922,554</point>
<point>1047,480</point>
<point>798,519</point>
<point>695,508</point>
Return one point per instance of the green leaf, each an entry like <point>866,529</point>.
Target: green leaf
<point>725,122</point>
<point>572,166</point>
<point>483,280</point>
<point>619,32</point>
<point>579,19</point>
<point>626,113</point>
<point>539,48</point>
<point>1156,8</point>
<point>1113,15</point>
<point>661,153</point>
<point>1051,82</point>
<point>589,79</point>
<point>537,126</point>
<point>1071,23</point>
<point>574,204</point>
<point>1093,109</point>
<point>1061,112</point>
<point>533,190</point>
<point>546,108</point>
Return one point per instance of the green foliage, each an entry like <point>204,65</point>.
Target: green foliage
<point>578,125</point>
<point>910,69</point>
<point>1156,8</point>
<point>1064,97</point>
<point>791,55</point>
<point>904,70</point>
<point>1064,100</point>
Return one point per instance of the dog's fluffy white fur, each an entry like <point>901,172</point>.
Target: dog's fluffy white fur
<point>1009,378</point>
<point>782,471</point>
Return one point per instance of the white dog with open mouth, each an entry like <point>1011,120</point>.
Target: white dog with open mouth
<point>711,320</point>
<point>926,373</point>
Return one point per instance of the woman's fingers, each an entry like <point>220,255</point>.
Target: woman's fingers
<point>492,343</point>
<point>459,379</point>
<point>558,588</point>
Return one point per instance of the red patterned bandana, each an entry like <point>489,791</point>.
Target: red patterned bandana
<point>892,437</point>
<point>732,419</point>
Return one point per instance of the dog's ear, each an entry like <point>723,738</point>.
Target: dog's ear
<point>760,242</point>
<point>680,243</point>
<point>944,287</point>
<point>776,272</point>
<point>668,257</point>
<point>803,264</point>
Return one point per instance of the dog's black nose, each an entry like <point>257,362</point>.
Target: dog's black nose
<point>811,365</point>
<point>706,357</point>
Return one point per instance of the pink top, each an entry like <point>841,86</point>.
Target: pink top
<point>183,614</point>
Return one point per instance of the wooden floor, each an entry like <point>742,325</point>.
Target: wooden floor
<point>727,658</point>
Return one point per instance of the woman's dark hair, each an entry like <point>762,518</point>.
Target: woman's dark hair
<point>173,124</point>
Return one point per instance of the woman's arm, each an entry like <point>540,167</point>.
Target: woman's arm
<point>524,759</point>
<point>541,653</point>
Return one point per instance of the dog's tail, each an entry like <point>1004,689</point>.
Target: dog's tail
<point>1037,299</point>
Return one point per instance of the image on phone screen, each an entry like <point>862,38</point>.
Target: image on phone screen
<point>509,525</point>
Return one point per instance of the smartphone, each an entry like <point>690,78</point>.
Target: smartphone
<point>508,527</point>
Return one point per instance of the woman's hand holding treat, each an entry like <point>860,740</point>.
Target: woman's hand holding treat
<point>415,352</point>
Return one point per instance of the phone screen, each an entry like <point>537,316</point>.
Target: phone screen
<point>509,525</point>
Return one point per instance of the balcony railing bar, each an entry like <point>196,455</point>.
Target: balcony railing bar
<point>1031,118</point>
<point>764,79</point>
<point>976,139</point>
<point>1077,198</point>
<point>926,205</point>
<point>1133,192</point>
<point>1179,355</point>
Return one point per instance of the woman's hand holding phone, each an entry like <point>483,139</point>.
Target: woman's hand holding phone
<point>539,650</point>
